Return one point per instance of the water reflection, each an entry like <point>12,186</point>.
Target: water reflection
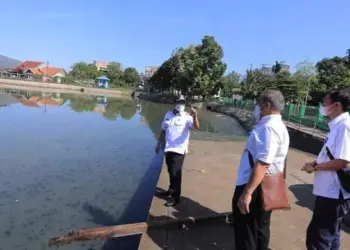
<point>74,161</point>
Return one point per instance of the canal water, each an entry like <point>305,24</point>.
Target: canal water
<point>72,161</point>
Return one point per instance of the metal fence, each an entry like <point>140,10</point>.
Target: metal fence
<point>301,115</point>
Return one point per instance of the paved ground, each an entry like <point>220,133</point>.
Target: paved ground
<point>209,173</point>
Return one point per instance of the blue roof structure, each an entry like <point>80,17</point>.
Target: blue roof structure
<point>103,78</point>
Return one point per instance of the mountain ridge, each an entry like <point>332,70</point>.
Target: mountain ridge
<point>7,62</point>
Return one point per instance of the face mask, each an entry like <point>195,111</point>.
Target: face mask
<point>180,107</point>
<point>323,111</point>
<point>256,113</point>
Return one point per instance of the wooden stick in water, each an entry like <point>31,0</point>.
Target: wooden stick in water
<point>132,229</point>
<point>100,233</point>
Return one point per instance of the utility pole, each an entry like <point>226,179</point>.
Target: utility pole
<point>47,68</point>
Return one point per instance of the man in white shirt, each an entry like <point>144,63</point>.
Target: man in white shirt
<point>175,135</point>
<point>268,145</point>
<point>332,200</point>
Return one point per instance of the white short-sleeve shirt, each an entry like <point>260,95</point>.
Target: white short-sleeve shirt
<point>326,183</point>
<point>268,142</point>
<point>177,131</point>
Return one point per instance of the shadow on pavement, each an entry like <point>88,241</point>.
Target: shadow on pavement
<point>208,236</point>
<point>305,198</point>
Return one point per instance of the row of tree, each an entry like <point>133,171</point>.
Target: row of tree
<point>115,72</point>
<point>305,84</point>
<point>198,70</point>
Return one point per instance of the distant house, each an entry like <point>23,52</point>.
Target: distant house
<point>48,74</point>
<point>150,70</point>
<point>101,66</point>
<point>102,82</point>
<point>34,68</point>
<point>24,66</point>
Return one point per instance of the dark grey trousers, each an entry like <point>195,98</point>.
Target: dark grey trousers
<point>175,162</point>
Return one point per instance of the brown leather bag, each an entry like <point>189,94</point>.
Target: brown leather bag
<point>273,189</point>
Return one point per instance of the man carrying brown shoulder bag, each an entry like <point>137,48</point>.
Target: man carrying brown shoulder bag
<point>260,186</point>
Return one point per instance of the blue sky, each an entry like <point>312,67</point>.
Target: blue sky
<point>141,33</point>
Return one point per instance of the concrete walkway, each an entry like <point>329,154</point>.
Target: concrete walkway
<point>208,184</point>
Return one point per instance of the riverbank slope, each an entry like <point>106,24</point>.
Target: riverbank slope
<point>56,86</point>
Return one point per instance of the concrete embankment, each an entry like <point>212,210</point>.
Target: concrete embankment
<point>300,138</point>
<point>41,86</point>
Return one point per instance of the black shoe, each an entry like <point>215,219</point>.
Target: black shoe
<point>172,202</point>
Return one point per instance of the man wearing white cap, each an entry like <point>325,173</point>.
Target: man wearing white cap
<point>174,136</point>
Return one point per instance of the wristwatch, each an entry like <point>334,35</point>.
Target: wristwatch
<point>314,166</point>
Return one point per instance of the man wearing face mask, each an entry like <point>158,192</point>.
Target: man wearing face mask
<point>265,153</point>
<point>174,137</point>
<point>331,182</point>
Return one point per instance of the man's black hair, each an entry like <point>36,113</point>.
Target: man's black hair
<point>341,96</point>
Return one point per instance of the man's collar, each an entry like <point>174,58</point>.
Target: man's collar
<point>269,117</point>
<point>175,113</point>
<point>337,119</point>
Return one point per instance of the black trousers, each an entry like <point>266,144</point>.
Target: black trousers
<point>251,231</point>
<point>323,232</point>
<point>175,162</point>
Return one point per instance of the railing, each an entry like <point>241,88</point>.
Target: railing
<point>300,116</point>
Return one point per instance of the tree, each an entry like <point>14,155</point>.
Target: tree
<point>288,86</point>
<point>83,71</point>
<point>306,79</point>
<point>115,74</point>
<point>347,57</point>
<point>229,83</point>
<point>210,67</point>
<point>277,67</point>
<point>195,70</point>
<point>131,77</point>
<point>255,82</point>
<point>333,73</point>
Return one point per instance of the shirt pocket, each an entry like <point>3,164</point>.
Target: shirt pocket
<point>179,123</point>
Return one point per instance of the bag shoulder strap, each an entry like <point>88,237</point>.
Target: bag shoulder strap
<point>251,163</point>
<point>330,155</point>
<point>285,167</point>
<point>251,160</point>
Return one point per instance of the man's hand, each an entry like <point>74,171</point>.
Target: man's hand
<point>309,167</point>
<point>193,111</point>
<point>244,202</point>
